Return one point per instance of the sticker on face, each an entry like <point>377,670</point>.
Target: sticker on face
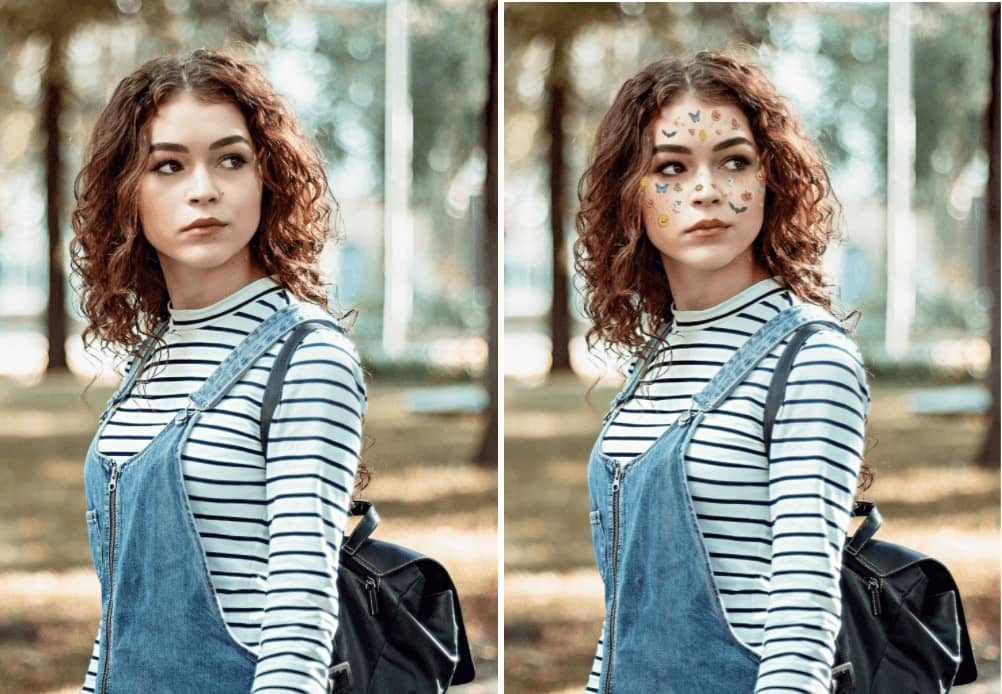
<point>715,115</point>
<point>699,187</point>
<point>734,124</point>
<point>746,196</point>
<point>671,134</point>
<point>694,116</point>
<point>702,135</point>
<point>676,206</point>
<point>739,210</point>
<point>661,187</point>
<point>729,182</point>
<point>644,182</point>
<point>678,187</point>
<point>663,220</point>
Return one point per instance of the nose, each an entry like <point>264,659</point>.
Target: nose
<point>704,192</point>
<point>203,187</point>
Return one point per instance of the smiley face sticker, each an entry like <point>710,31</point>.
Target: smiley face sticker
<point>663,220</point>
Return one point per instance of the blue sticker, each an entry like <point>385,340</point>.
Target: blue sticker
<point>661,187</point>
<point>694,116</point>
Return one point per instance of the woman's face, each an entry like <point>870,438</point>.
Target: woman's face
<point>201,164</point>
<point>706,168</point>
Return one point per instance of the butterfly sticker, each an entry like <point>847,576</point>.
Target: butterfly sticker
<point>694,116</point>
<point>661,187</point>
<point>739,210</point>
<point>667,134</point>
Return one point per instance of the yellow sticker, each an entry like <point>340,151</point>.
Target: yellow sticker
<point>644,182</point>
<point>702,135</point>
<point>699,187</point>
<point>663,220</point>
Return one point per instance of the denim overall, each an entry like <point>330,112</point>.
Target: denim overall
<point>666,630</point>
<point>163,628</point>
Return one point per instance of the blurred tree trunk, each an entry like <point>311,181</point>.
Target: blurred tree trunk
<point>53,87</point>
<point>556,102</point>
<point>487,452</point>
<point>990,453</point>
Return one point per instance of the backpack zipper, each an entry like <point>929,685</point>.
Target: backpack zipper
<point>874,585</point>
<point>112,493</point>
<point>616,484</point>
<point>370,588</point>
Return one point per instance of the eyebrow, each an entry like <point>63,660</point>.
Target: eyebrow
<point>174,147</point>
<point>726,144</point>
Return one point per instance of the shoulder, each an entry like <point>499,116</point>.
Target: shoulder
<point>327,355</point>
<point>831,357</point>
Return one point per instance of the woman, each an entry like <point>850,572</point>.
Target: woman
<point>201,211</point>
<point>704,215</point>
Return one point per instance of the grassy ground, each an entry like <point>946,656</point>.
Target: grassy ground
<point>932,498</point>
<point>429,496</point>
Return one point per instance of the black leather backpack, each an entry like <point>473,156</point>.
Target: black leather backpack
<point>903,626</point>
<point>400,627</point>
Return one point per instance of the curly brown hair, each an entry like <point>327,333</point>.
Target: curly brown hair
<point>625,292</point>
<point>122,290</point>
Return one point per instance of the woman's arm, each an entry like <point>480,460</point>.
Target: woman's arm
<point>311,457</point>
<point>814,461</point>
<point>90,683</point>
<point>596,666</point>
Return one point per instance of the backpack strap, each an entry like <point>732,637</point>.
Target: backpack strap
<point>777,388</point>
<point>276,380</point>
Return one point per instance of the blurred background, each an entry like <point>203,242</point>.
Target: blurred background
<point>903,99</point>
<point>401,98</point>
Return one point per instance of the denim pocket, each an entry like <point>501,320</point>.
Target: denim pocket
<point>598,540</point>
<point>94,537</point>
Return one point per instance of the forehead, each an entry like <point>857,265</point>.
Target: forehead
<point>685,107</point>
<point>185,118</point>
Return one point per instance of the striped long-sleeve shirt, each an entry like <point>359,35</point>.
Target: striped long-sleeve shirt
<point>270,521</point>
<point>774,521</point>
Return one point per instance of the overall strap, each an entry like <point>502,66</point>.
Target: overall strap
<point>756,348</point>
<point>245,354</point>
<point>136,365</point>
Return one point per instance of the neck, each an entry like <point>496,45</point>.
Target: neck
<point>191,288</point>
<point>695,289</point>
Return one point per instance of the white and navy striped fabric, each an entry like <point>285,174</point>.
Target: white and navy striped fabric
<point>271,522</point>
<point>773,522</point>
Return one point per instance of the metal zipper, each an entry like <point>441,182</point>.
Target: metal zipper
<point>610,642</point>
<point>370,588</point>
<point>112,493</point>
<point>874,585</point>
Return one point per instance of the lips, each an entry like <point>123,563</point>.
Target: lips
<point>203,222</point>
<point>714,224</point>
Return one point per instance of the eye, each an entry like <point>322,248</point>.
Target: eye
<point>671,168</point>
<point>157,167</point>
<point>739,164</point>
<point>238,161</point>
